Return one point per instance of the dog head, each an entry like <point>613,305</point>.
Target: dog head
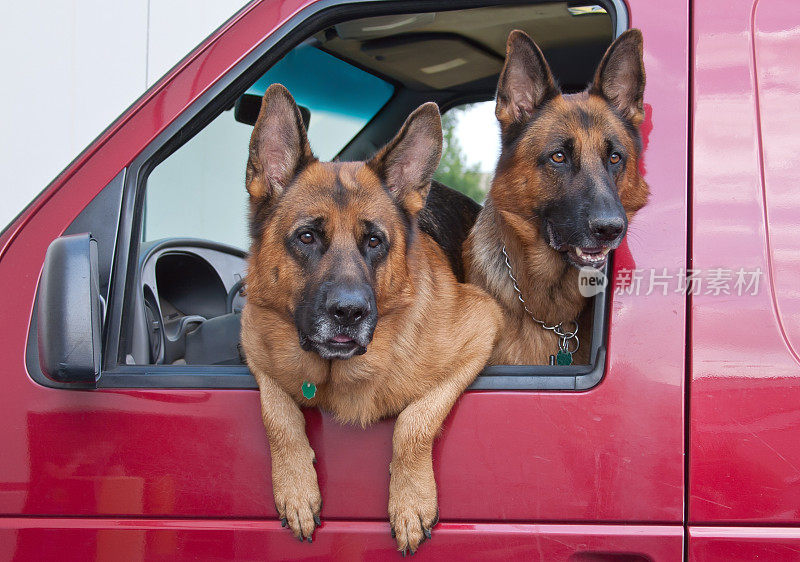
<point>572,159</point>
<point>329,239</point>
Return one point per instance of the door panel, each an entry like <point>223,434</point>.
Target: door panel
<point>611,454</point>
<point>745,390</point>
<point>777,49</point>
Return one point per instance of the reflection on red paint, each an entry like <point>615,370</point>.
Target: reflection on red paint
<point>745,413</point>
<point>194,465</point>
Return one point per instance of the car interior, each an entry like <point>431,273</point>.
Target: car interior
<point>358,79</point>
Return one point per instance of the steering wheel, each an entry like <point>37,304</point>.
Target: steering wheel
<point>237,289</point>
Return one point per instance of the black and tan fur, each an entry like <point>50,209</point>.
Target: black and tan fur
<point>345,291</point>
<point>567,180</point>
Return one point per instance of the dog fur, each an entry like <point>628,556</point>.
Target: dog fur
<point>431,336</point>
<point>556,175</point>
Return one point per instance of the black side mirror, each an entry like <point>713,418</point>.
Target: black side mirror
<point>69,310</point>
<point>247,106</point>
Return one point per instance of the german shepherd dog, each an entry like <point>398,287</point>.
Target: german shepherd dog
<point>353,309</point>
<point>566,185</point>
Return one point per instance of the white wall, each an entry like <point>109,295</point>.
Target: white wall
<point>72,66</point>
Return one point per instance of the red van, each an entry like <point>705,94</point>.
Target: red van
<point>132,430</point>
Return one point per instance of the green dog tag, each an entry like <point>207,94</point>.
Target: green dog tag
<point>564,358</point>
<point>310,389</point>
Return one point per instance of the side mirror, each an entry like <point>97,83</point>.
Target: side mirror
<point>247,106</point>
<point>69,309</point>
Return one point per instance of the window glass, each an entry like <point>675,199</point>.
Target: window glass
<point>199,192</point>
<point>341,98</point>
<point>471,148</point>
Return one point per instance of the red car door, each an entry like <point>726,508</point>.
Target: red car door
<point>183,473</point>
<point>744,488</point>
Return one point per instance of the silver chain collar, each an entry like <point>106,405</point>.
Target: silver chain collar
<point>566,338</point>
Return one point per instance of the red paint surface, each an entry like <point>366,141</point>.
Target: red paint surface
<point>745,396</point>
<point>610,455</point>
<point>265,540</point>
<point>744,544</point>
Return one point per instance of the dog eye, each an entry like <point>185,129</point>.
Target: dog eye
<point>306,237</point>
<point>558,157</point>
<point>373,241</point>
<point>614,158</point>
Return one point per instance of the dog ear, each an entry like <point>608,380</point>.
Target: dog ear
<point>620,76</point>
<point>406,165</point>
<point>525,82</point>
<point>279,147</point>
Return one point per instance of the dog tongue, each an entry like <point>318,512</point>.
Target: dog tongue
<point>341,338</point>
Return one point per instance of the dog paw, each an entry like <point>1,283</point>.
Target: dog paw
<point>297,499</point>
<point>413,511</point>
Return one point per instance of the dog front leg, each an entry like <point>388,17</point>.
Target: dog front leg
<point>294,480</point>
<point>413,507</point>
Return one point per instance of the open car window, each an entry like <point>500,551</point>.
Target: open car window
<point>180,252</point>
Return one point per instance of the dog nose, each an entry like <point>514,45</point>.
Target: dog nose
<point>347,305</point>
<point>607,228</point>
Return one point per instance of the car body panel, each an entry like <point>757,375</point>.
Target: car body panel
<point>743,544</point>
<point>745,390</point>
<point>610,455</point>
<point>41,539</point>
